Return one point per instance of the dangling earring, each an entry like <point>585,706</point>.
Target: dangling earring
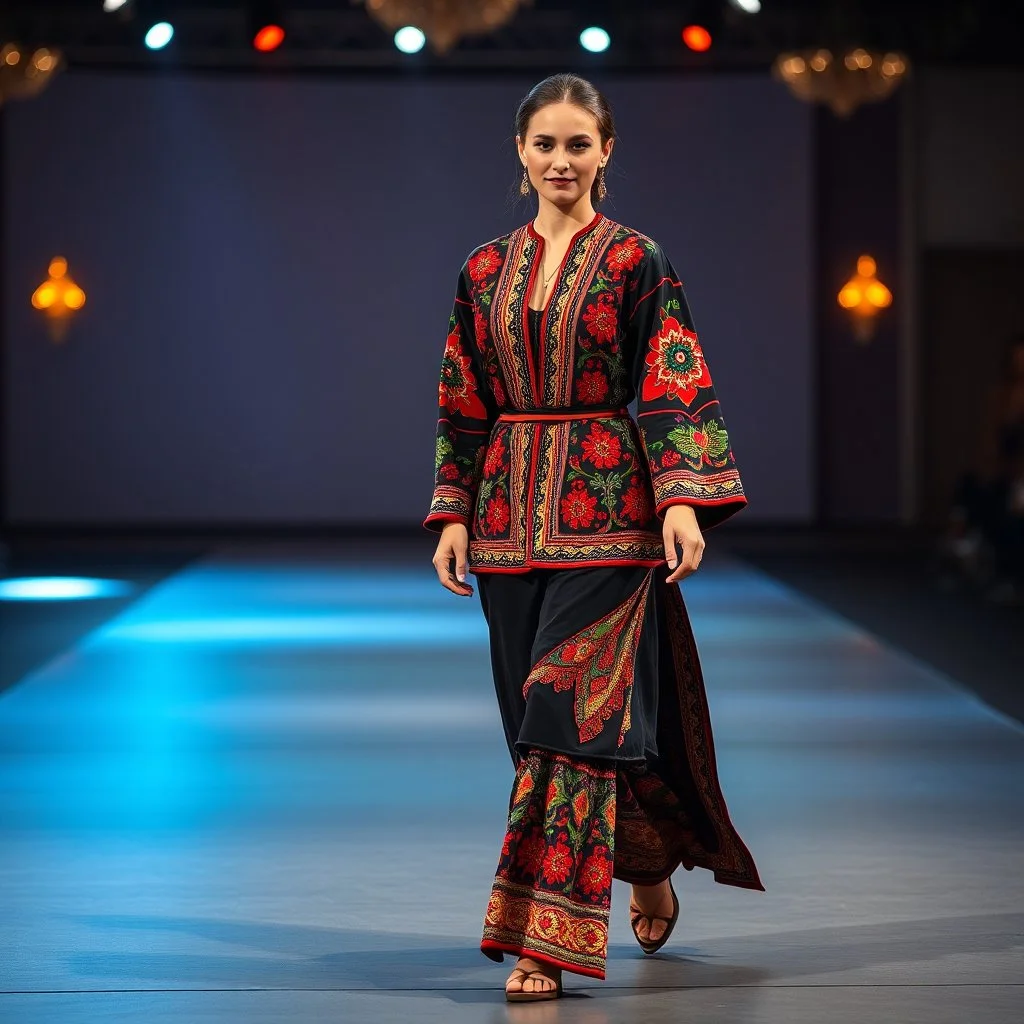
<point>602,191</point>
<point>524,185</point>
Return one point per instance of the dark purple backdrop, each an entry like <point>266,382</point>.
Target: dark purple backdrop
<point>270,267</point>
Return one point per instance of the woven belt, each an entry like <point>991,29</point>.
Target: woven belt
<point>560,417</point>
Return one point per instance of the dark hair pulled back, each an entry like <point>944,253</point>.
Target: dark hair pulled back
<point>568,88</point>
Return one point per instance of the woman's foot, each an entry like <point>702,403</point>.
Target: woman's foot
<point>651,901</point>
<point>533,979</point>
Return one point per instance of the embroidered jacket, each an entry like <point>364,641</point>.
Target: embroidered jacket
<point>536,487</point>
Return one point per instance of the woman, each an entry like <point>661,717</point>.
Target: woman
<point>570,513</point>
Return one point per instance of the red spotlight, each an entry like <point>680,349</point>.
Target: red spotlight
<point>697,37</point>
<point>270,37</point>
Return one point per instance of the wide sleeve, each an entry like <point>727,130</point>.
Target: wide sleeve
<point>466,412</point>
<point>678,413</point>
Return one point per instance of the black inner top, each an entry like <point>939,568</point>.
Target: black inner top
<point>535,318</point>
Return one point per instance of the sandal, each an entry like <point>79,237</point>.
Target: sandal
<point>636,916</point>
<point>520,996</point>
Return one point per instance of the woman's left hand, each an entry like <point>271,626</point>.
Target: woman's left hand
<point>681,527</point>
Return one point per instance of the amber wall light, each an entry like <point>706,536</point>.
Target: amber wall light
<point>59,298</point>
<point>864,296</point>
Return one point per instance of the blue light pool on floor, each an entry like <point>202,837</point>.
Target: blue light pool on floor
<point>348,628</point>
<point>61,588</point>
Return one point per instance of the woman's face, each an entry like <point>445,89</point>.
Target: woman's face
<point>562,152</point>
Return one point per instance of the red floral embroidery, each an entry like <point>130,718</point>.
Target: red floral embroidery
<point>530,854</point>
<point>601,318</point>
<point>457,388</point>
<point>450,472</point>
<point>480,328</point>
<point>578,506</point>
<point>524,785</point>
<point>624,256</point>
<point>636,503</point>
<point>592,386</point>
<point>675,364</point>
<point>602,448</point>
<point>495,460</point>
<point>670,458</point>
<point>580,807</point>
<point>596,874</point>
<point>483,264</point>
<point>498,391</point>
<point>497,514</point>
<point>558,861</point>
<point>578,650</point>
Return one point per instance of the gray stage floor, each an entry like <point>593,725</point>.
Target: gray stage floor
<point>274,788</point>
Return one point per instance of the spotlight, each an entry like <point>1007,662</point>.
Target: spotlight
<point>61,588</point>
<point>697,37</point>
<point>747,6</point>
<point>268,38</point>
<point>113,5</point>
<point>595,39</point>
<point>159,35</point>
<point>410,39</point>
<point>265,26</point>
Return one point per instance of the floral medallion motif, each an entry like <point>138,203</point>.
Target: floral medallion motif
<point>675,364</point>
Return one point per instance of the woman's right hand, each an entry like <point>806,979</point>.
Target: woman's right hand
<point>453,545</point>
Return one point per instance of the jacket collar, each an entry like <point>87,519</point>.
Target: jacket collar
<point>598,217</point>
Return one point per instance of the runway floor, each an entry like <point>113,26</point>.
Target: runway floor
<point>273,788</point>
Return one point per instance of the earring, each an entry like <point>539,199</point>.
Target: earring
<point>524,185</point>
<point>602,190</point>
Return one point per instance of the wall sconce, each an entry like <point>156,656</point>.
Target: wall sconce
<point>59,298</point>
<point>864,295</point>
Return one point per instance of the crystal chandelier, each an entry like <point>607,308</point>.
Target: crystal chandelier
<point>23,72</point>
<point>444,22</point>
<point>845,82</point>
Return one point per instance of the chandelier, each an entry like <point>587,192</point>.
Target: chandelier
<point>23,72</point>
<point>444,22</point>
<point>844,83</point>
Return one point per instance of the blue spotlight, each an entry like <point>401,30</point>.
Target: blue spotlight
<point>595,39</point>
<point>60,588</point>
<point>410,39</point>
<point>159,35</point>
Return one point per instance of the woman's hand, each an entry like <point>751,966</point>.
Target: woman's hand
<point>454,544</point>
<point>681,526</point>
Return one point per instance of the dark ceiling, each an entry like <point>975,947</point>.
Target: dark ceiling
<point>340,35</point>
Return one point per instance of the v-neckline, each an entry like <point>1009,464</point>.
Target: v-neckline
<point>541,243</point>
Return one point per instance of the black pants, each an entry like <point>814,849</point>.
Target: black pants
<point>604,711</point>
<point>529,615</point>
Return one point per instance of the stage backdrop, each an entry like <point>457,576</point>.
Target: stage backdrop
<point>270,265</point>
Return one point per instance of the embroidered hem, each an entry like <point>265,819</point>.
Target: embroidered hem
<point>526,921</point>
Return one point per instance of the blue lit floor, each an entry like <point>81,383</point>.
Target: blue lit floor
<point>273,789</point>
